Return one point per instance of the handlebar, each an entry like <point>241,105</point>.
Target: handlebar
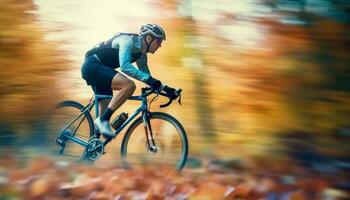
<point>177,93</point>
<point>148,91</point>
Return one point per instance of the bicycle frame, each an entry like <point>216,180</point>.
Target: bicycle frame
<point>143,108</point>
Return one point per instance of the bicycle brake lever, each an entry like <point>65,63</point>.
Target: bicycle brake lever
<point>178,93</point>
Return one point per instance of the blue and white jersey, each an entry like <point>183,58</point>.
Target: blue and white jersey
<point>122,50</point>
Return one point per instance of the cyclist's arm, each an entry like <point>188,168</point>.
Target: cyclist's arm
<point>125,51</point>
<point>142,64</point>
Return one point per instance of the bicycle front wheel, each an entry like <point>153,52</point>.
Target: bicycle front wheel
<point>170,143</point>
<point>67,118</point>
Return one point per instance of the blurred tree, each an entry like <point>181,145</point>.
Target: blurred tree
<point>192,57</point>
<point>29,64</point>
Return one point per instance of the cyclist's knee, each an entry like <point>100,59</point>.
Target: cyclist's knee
<point>121,82</point>
<point>131,86</point>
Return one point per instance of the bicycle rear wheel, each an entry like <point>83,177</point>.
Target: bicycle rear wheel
<point>169,138</point>
<point>67,118</point>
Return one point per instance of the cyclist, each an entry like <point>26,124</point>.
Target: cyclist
<point>121,51</point>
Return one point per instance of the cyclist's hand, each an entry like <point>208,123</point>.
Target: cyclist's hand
<point>171,92</point>
<point>154,83</point>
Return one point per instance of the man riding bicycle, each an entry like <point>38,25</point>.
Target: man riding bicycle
<point>121,51</point>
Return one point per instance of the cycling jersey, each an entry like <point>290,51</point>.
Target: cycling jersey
<point>120,51</point>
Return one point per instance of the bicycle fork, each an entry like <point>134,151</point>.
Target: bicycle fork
<point>150,143</point>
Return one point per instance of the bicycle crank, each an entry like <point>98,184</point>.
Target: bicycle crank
<point>94,149</point>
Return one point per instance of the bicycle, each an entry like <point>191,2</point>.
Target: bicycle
<point>152,137</point>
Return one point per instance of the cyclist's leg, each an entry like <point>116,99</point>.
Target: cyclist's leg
<point>125,88</point>
<point>102,122</point>
<point>102,104</point>
<point>104,79</point>
<point>100,78</point>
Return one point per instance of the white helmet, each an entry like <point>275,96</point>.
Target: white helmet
<point>152,29</point>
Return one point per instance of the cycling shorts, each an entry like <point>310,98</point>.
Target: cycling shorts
<point>97,75</point>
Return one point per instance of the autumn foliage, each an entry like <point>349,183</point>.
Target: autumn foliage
<point>45,178</point>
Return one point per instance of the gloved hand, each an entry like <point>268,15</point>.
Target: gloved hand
<point>154,83</point>
<point>170,92</point>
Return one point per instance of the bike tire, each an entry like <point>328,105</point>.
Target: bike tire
<point>62,114</point>
<point>169,136</point>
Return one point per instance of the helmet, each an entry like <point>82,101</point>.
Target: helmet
<point>154,30</point>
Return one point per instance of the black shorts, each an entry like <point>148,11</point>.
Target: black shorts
<point>97,75</point>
